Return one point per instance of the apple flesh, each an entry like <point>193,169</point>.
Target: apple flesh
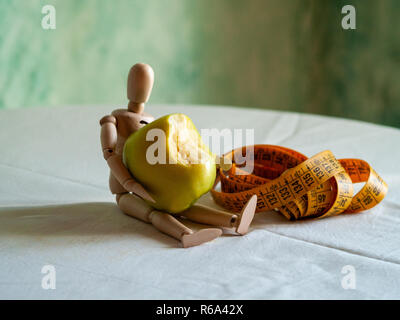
<point>170,160</point>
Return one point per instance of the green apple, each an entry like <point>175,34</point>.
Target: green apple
<point>170,160</point>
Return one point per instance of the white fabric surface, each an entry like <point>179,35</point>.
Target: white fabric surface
<point>55,208</point>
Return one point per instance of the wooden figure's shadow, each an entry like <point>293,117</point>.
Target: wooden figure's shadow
<point>79,220</point>
<point>96,219</point>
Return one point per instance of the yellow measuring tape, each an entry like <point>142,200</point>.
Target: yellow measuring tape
<point>297,186</point>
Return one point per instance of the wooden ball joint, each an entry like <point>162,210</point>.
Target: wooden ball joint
<point>115,129</point>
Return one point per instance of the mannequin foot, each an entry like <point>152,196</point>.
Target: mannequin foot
<point>247,215</point>
<point>199,237</point>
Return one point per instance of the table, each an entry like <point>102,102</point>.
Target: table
<point>55,209</point>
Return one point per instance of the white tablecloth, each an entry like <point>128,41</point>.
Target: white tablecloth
<point>56,210</point>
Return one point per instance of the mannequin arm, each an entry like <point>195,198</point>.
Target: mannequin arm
<point>114,161</point>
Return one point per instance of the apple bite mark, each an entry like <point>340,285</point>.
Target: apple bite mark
<point>185,144</point>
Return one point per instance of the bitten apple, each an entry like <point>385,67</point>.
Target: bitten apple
<point>170,160</point>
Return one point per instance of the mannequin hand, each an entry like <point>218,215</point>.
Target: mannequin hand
<point>136,188</point>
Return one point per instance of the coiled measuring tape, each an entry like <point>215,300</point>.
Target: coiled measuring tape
<point>296,186</point>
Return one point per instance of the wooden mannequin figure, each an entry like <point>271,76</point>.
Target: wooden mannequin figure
<point>115,129</point>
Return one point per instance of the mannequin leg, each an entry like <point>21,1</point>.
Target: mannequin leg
<point>164,222</point>
<point>214,217</point>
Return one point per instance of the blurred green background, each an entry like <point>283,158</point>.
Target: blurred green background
<point>277,54</point>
